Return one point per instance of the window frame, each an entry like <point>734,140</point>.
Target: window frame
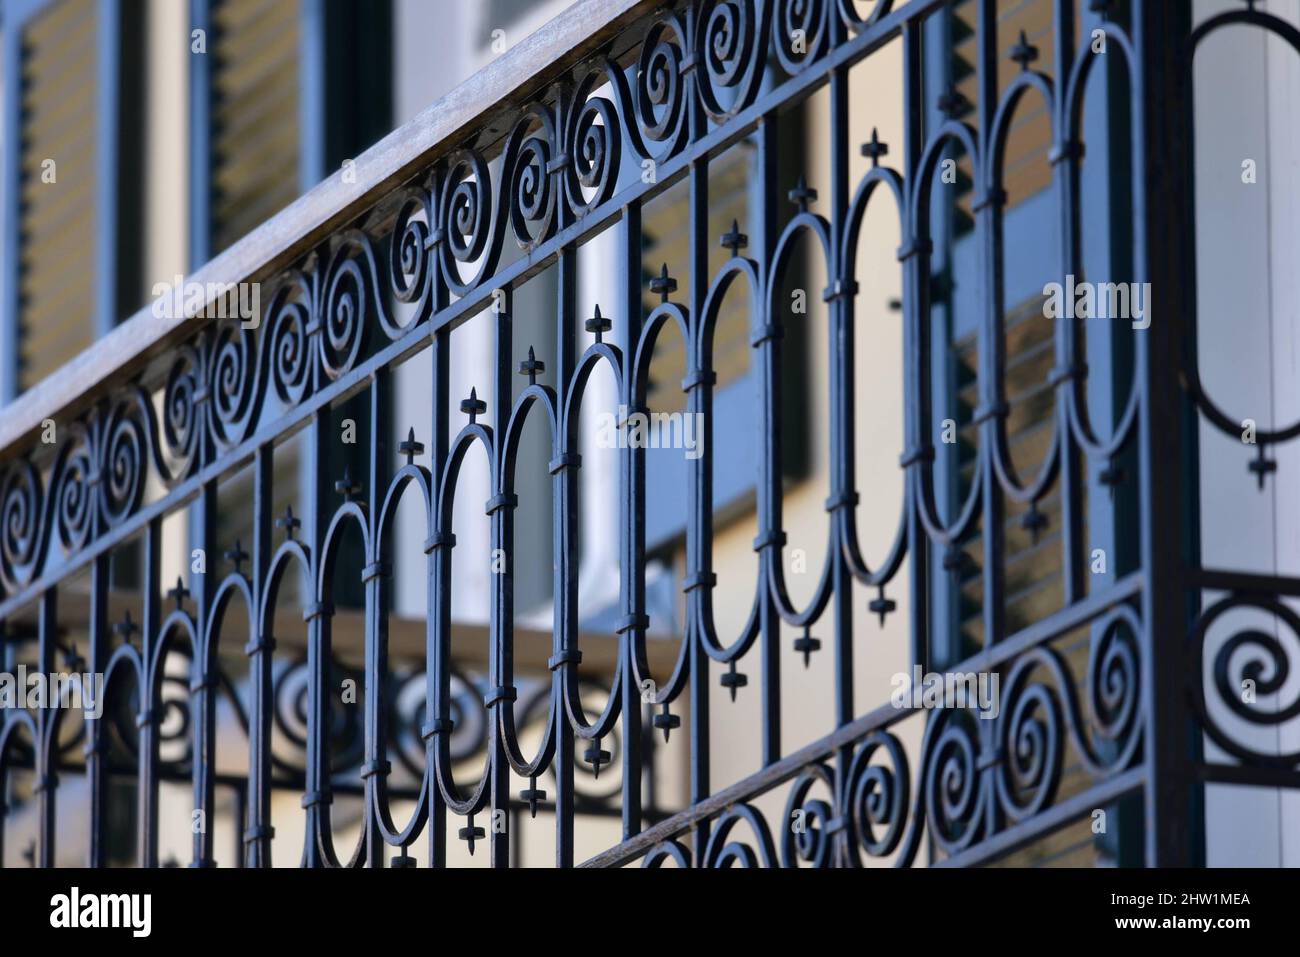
<point>15,16</point>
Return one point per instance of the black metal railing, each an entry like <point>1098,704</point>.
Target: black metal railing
<point>1099,695</point>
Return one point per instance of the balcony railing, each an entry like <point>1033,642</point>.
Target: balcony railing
<point>547,150</point>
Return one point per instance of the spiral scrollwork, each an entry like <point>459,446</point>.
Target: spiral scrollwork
<point>73,489</point>
<point>233,382</point>
<point>879,794</point>
<point>953,798</point>
<point>466,220</point>
<point>532,192</point>
<point>181,415</point>
<point>22,501</point>
<point>730,44</point>
<point>659,95</point>
<point>1031,743</point>
<point>125,459</point>
<point>1252,678</point>
<point>593,142</point>
<point>349,299</point>
<point>408,251</point>
<point>798,32</point>
<point>1114,684</point>
<point>808,834</point>
<point>286,345</point>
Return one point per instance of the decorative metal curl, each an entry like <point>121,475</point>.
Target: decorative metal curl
<point>808,830</point>
<point>1031,743</point>
<point>879,795</point>
<point>1251,655</point>
<point>730,44</point>
<point>799,32</point>
<point>593,143</point>
<point>22,503</point>
<point>953,798</point>
<point>659,94</point>
<point>232,384</point>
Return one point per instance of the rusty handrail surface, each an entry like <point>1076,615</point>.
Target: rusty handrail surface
<point>512,78</point>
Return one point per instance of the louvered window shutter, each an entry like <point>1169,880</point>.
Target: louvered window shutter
<point>72,143</point>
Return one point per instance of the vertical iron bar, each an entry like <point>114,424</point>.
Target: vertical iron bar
<point>47,756</point>
<point>96,769</point>
<point>1164,241</point>
<point>632,509</point>
<point>502,585</point>
<point>375,575</point>
<point>148,720</point>
<point>565,541</point>
<point>261,647</point>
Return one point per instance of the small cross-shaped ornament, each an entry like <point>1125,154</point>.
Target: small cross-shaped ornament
<point>952,104</point>
<point>409,447</point>
<point>532,367</point>
<point>179,593</point>
<point>1033,521</point>
<point>126,627</point>
<point>73,661</point>
<point>533,796</point>
<point>802,195</point>
<point>469,833</point>
<point>875,149</point>
<point>666,721</point>
<point>346,486</point>
<point>734,240</point>
<point>1023,52</point>
<point>806,645</point>
<point>237,556</point>
<point>663,284</point>
<point>596,757</point>
<point>288,522</point>
<point>882,606</point>
<point>597,324</point>
<point>1262,466</point>
<point>733,680</point>
<point>473,406</point>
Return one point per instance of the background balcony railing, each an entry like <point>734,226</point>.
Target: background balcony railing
<point>566,141</point>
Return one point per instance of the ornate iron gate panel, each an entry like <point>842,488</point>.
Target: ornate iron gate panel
<point>1079,729</point>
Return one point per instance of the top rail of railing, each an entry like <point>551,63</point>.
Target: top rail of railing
<point>511,79</point>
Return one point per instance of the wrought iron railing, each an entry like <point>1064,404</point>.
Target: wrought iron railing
<point>359,279</point>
